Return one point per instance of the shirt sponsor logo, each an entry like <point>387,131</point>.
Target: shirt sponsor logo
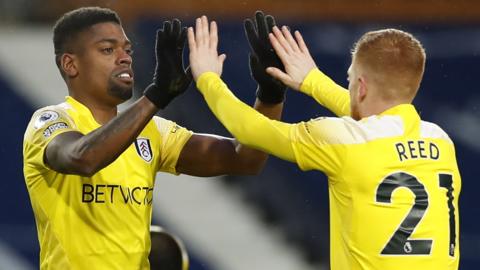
<point>52,128</point>
<point>116,193</point>
<point>144,149</point>
<point>45,117</point>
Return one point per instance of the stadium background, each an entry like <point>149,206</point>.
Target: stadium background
<point>279,219</point>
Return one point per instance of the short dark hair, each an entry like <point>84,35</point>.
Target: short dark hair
<point>73,22</point>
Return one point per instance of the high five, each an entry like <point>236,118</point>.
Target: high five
<point>393,204</point>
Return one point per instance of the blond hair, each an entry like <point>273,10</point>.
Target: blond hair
<point>394,59</point>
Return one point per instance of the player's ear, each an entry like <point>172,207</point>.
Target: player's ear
<point>68,65</point>
<point>362,88</point>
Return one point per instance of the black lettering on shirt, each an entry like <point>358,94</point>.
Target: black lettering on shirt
<point>417,150</point>
<point>112,189</point>
<point>434,152</point>
<point>101,193</point>
<point>87,193</point>
<point>125,198</point>
<point>401,151</point>
<point>149,196</point>
<point>133,195</point>
<point>412,149</point>
<point>421,149</point>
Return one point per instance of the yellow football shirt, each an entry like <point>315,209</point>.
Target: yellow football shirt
<point>424,178</point>
<point>98,222</point>
<point>393,178</point>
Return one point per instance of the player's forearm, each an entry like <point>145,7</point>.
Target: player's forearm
<point>326,92</point>
<point>255,159</point>
<point>99,148</point>
<point>248,126</point>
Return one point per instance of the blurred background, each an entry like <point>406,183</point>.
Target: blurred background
<point>279,219</point>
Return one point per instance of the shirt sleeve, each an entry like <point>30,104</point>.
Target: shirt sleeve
<point>248,126</point>
<point>45,125</point>
<point>312,145</point>
<point>327,92</point>
<point>319,144</point>
<point>173,139</point>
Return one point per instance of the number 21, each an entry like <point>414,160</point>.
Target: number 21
<point>399,243</point>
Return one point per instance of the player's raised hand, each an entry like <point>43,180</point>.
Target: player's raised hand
<point>270,90</point>
<point>203,48</point>
<point>294,55</point>
<point>170,78</point>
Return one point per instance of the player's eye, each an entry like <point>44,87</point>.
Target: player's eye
<point>107,50</point>
<point>129,51</point>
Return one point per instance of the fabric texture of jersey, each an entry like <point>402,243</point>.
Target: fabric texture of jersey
<point>393,178</point>
<point>393,184</point>
<point>98,222</point>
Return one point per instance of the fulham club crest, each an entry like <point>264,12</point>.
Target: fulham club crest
<point>144,149</point>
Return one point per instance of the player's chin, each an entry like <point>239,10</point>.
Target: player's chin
<point>123,91</point>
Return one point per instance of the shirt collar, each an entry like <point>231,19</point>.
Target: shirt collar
<point>80,108</point>
<point>401,109</point>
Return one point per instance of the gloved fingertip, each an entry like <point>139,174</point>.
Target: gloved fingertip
<point>270,22</point>
<point>259,13</point>
<point>188,72</point>
<point>167,27</point>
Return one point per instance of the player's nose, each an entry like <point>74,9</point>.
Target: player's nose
<point>125,58</point>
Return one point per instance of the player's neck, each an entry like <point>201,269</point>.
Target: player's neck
<point>378,107</point>
<point>102,112</point>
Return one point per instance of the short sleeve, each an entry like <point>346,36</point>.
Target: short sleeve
<point>173,139</point>
<point>46,124</point>
<point>318,144</point>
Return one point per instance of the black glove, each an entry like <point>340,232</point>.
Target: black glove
<point>170,78</point>
<point>270,90</point>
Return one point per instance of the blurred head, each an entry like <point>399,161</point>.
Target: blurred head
<point>93,54</point>
<point>387,68</point>
<point>167,251</point>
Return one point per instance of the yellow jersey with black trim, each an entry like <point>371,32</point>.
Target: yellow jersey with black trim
<point>98,222</point>
<point>393,187</point>
<point>393,181</point>
<point>394,184</point>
